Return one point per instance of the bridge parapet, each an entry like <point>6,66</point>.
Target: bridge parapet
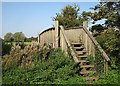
<point>59,36</point>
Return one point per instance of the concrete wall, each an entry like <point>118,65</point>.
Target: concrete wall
<point>73,34</point>
<point>47,36</point>
<point>88,43</point>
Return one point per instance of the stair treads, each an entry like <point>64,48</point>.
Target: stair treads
<point>82,56</point>
<point>76,43</point>
<point>86,66</point>
<point>81,47</point>
<point>80,52</point>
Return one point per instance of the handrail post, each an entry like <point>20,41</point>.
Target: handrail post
<point>69,45</point>
<point>56,34</point>
<point>106,67</point>
<point>105,57</point>
<point>85,25</point>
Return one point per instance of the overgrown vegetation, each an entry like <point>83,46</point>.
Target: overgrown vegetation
<point>57,69</point>
<point>109,40</point>
<point>6,47</point>
<point>112,78</point>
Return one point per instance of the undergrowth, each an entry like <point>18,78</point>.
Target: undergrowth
<point>57,69</point>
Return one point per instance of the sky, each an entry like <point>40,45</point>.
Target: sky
<point>32,18</point>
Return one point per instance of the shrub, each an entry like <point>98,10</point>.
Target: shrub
<point>109,40</point>
<point>6,47</point>
<point>57,69</point>
<point>111,78</point>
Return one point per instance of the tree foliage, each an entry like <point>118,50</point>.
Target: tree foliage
<point>97,29</point>
<point>8,37</point>
<point>109,40</point>
<point>109,11</point>
<point>85,16</point>
<point>31,39</point>
<point>6,47</point>
<point>19,36</point>
<point>69,16</point>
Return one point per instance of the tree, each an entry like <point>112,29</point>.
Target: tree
<point>8,37</point>
<point>69,16</point>
<point>109,40</point>
<point>97,28</point>
<point>85,16</point>
<point>6,47</point>
<point>109,11</point>
<point>31,39</point>
<point>19,37</point>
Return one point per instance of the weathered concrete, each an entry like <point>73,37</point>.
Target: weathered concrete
<point>74,34</point>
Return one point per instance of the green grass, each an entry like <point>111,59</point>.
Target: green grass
<point>26,43</point>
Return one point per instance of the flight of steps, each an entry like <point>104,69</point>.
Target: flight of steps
<point>86,68</point>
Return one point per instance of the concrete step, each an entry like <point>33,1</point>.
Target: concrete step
<point>81,47</point>
<point>82,56</point>
<point>87,71</point>
<point>80,52</point>
<point>77,43</point>
<point>86,66</point>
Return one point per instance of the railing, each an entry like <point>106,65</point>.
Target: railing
<point>92,45</point>
<point>68,44</point>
